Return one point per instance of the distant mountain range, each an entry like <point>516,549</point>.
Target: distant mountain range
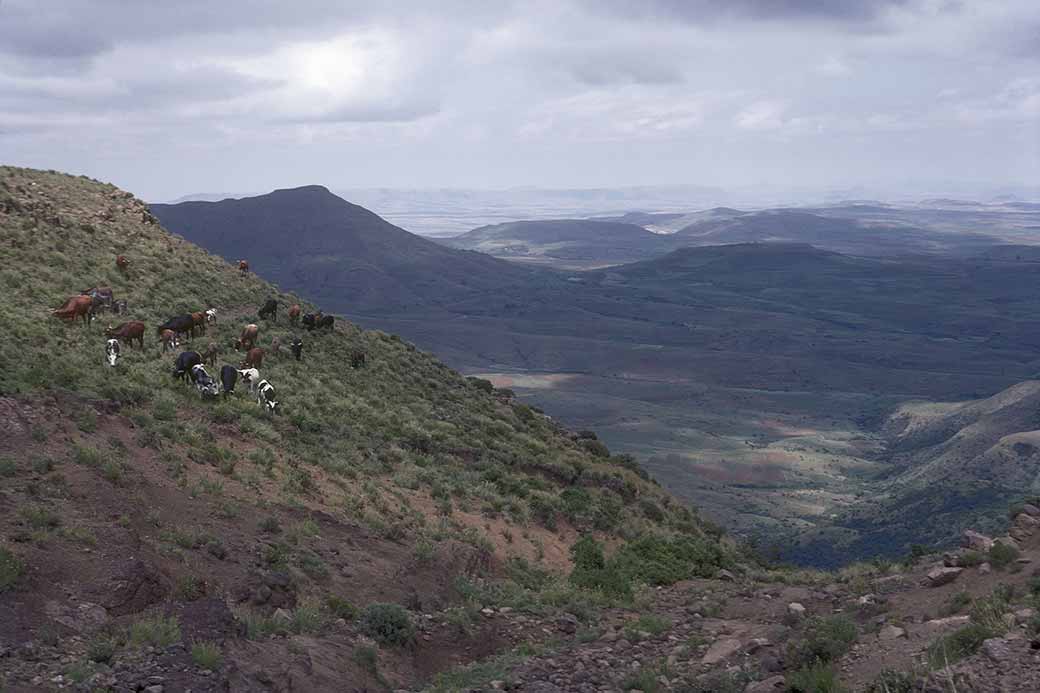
<point>755,378</point>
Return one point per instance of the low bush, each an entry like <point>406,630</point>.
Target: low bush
<point>11,568</point>
<point>824,640</point>
<point>1002,555</point>
<point>889,681</point>
<point>959,644</point>
<point>818,678</point>
<point>156,631</point>
<point>388,624</point>
<point>206,655</point>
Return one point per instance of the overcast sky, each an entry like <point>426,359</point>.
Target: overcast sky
<point>171,98</point>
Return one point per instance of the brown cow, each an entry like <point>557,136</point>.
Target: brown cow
<point>254,358</point>
<point>76,307</point>
<point>168,338</point>
<point>243,266</point>
<point>211,353</point>
<point>122,264</point>
<point>127,332</point>
<point>247,341</point>
<point>294,314</point>
<point>276,345</point>
<point>199,318</point>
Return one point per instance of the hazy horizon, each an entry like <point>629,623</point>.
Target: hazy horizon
<point>168,101</point>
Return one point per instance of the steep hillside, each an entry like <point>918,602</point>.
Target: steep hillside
<point>337,253</point>
<point>147,535</point>
<point>566,243</point>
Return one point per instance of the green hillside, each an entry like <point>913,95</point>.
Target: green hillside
<point>399,482</point>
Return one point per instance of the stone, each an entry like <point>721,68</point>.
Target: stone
<point>1027,521</point>
<point>985,568</point>
<point>281,615</point>
<point>796,610</point>
<point>996,649</point>
<point>567,623</point>
<point>1030,509</point>
<point>157,688</point>
<point>720,650</point>
<point>891,633</point>
<point>976,541</point>
<point>726,575</point>
<point>944,623</point>
<point>756,644</point>
<point>773,683</point>
<point>942,576</point>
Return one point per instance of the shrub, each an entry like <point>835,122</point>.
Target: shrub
<point>101,649</point>
<point>970,559</point>
<point>156,631</point>
<point>1002,555</point>
<point>481,384</point>
<point>647,623</point>
<point>8,467</point>
<point>824,640</point>
<point>11,568</point>
<point>959,644</point>
<point>205,654</point>
<point>387,623</point>
<point>889,681</point>
<point>818,678</point>
<point>341,608</point>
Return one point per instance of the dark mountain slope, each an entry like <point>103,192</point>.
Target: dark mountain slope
<point>338,254</point>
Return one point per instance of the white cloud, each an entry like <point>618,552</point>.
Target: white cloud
<point>762,115</point>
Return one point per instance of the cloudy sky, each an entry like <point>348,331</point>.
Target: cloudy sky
<point>172,98</point>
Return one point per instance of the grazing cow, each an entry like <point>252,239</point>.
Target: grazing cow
<point>180,324</point>
<point>254,358</point>
<point>76,307</point>
<point>248,338</point>
<point>250,376</point>
<point>122,264</point>
<point>112,351</point>
<point>308,321</point>
<point>198,318</point>
<point>128,332</point>
<point>185,362</point>
<point>325,321</point>
<point>211,353</point>
<point>358,359</point>
<point>276,346</point>
<point>169,340</point>
<point>211,316</point>
<point>243,266</point>
<point>269,310</point>
<point>119,307</point>
<point>294,314</point>
<point>228,378</point>
<point>204,383</point>
<point>296,348</point>
<point>265,396</point>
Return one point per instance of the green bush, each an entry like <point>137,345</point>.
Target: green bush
<point>206,655</point>
<point>1002,555</point>
<point>341,608</point>
<point>11,568</point>
<point>959,644</point>
<point>889,681</point>
<point>825,639</point>
<point>818,678</point>
<point>388,624</point>
<point>156,631</point>
<point>102,648</point>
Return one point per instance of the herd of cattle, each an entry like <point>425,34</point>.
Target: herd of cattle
<point>192,364</point>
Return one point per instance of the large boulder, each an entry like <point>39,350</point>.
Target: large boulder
<point>976,542</point>
<point>942,576</point>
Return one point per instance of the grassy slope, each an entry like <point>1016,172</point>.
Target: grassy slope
<point>402,461</point>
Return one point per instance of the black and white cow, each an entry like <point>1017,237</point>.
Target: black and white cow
<point>204,383</point>
<point>211,316</point>
<point>185,362</point>
<point>265,396</point>
<point>251,377</point>
<point>112,351</point>
<point>228,378</point>
<point>296,348</point>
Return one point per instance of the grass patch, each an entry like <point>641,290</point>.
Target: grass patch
<point>817,678</point>
<point>824,640</point>
<point>388,624</point>
<point>156,631</point>
<point>206,655</point>
<point>11,568</point>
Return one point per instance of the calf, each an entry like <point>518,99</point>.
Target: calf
<point>248,338</point>
<point>198,319</point>
<point>168,339</point>
<point>185,362</point>
<point>265,396</point>
<point>122,263</point>
<point>128,332</point>
<point>112,351</point>
<point>211,353</point>
<point>357,359</point>
<point>269,310</point>
<point>243,266</point>
<point>119,307</point>
<point>296,348</point>
<point>276,346</point>
<point>250,376</point>
<point>179,324</point>
<point>254,358</point>
<point>204,383</point>
<point>228,378</point>
<point>211,316</point>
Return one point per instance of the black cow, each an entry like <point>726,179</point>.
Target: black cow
<point>296,348</point>
<point>325,321</point>
<point>269,310</point>
<point>228,378</point>
<point>357,359</point>
<point>180,324</point>
<point>185,362</point>
<point>308,320</point>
